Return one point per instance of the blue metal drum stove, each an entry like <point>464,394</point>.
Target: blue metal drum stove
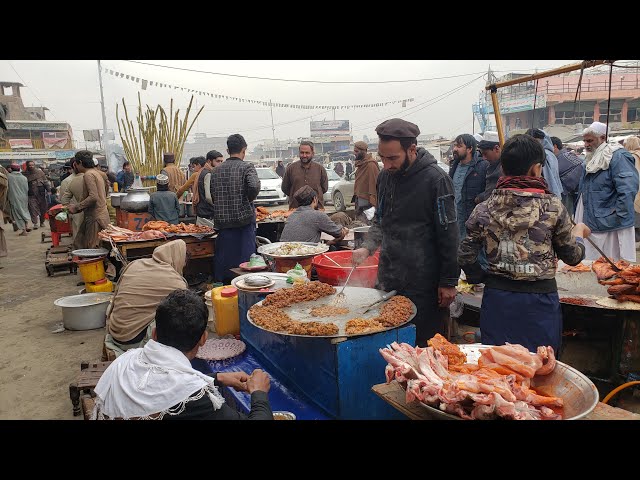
<point>324,377</point>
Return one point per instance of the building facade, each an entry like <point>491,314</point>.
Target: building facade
<point>29,135</point>
<point>523,106</point>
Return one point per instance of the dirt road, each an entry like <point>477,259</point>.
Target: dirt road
<point>36,365</point>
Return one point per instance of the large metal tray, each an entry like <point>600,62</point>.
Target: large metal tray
<point>90,252</point>
<point>579,393</point>
<point>270,247</point>
<point>357,298</point>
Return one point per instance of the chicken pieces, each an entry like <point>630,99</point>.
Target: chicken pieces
<point>624,285</point>
<point>499,386</point>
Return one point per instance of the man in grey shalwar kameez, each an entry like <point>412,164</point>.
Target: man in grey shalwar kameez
<point>18,198</point>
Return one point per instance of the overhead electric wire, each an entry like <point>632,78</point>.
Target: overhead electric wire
<point>304,81</point>
<point>426,103</point>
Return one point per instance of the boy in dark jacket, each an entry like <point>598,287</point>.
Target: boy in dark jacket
<point>523,227</point>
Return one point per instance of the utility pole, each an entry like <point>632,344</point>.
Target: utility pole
<point>273,131</point>
<point>104,116</point>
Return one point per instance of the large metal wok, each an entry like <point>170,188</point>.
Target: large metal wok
<point>579,393</point>
<point>357,299</point>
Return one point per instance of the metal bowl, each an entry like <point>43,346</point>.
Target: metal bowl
<point>84,312</point>
<point>116,197</point>
<point>282,415</point>
<point>267,250</point>
<point>257,280</point>
<point>579,393</point>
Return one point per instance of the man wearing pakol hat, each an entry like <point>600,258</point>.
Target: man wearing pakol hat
<point>416,227</point>
<point>163,204</point>
<point>606,194</point>
<point>171,170</point>
<point>306,224</point>
<point>364,187</point>
<point>490,149</point>
<point>67,171</point>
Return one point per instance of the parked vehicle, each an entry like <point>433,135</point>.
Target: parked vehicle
<point>334,178</point>
<point>270,188</point>
<point>342,192</point>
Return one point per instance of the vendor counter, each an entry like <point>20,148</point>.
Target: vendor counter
<point>600,342</point>
<point>200,252</point>
<point>394,395</point>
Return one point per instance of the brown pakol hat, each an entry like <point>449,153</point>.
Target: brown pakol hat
<point>399,128</point>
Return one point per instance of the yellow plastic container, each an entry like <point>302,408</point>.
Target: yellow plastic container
<point>92,270</point>
<point>99,286</point>
<point>225,305</point>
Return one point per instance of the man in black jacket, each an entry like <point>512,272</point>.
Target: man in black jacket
<point>491,150</point>
<point>157,381</point>
<point>468,172</point>
<point>571,169</point>
<point>234,186</point>
<point>415,224</point>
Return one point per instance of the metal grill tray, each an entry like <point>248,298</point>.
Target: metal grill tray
<point>90,252</point>
<point>356,300</point>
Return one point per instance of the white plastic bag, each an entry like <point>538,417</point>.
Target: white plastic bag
<point>370,212</point>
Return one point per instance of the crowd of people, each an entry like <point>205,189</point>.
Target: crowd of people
<point>502,214</point>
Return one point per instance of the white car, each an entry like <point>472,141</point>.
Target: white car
<point>270,188</point>
<point>333,179</point>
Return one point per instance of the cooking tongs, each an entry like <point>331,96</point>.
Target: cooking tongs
<point>613,265</point>
<point>384,298</point>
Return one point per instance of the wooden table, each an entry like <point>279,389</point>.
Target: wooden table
<point>394,395</point>
<point>199,251</point>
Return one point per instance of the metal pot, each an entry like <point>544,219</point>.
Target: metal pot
<point>359,233</point>
<point>116,198</point>
<point>136,200</point>
<point>84,312</point>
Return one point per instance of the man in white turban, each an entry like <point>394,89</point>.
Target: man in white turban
<point>606,194</point>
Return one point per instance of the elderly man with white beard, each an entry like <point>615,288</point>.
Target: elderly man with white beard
<point>606,194</point>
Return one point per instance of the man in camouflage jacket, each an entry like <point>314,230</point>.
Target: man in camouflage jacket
<point>523,228</point>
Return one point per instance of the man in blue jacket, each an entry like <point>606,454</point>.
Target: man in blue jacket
<point>606,193</point>
<point>550,169</point>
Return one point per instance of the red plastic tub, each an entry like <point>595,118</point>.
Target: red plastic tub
<point>363,276</point>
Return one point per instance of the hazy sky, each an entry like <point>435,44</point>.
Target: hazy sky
<point>70,90</point>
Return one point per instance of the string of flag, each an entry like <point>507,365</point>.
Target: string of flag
<point>145,84</point>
